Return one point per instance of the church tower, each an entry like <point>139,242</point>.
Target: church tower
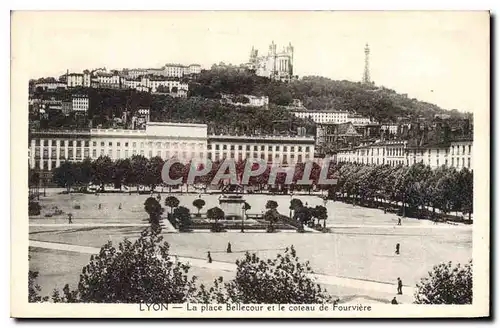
<point>366,73</point>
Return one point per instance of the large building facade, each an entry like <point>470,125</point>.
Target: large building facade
<point>48,149</point>
<point>457,154</point>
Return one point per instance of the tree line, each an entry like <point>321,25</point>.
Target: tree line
<point>417,187</point>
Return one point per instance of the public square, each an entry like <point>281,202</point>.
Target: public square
<point>356,259</point>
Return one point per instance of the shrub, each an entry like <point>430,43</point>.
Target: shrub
<point>34,208</point>
<point>446,285</point>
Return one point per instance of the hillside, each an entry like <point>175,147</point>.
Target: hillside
<point>317,93</point>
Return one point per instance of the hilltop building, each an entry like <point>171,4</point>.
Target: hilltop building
<point>275,65</point>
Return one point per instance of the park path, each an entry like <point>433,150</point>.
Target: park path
<point>367,285</point>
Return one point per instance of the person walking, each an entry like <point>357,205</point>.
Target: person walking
<point>100,205</point>
<point>394,301</point>
<point>120,206</point>
<point>397,249</point>
<point>400,286</point>
<point>399,221</point>
<point>209,257</point>
<point>70,218</point>
<point>229,250</point>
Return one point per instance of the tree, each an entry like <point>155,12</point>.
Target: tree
<point>271,205</point>
<point>133,272</point>
<point>65,175</point>
<point>138,169</point>
<point>272,216</point>
<point>183,217</point>
<point>122,169</point>
<point>466,187</point>
<point>172,202</point>
<point>199,203</point>
<point>34,289</point>
<point>103,171</point>
<point>153,172</point>
<point>284,279</point>
<point>154,209</point>
<point>215,214</point>
<point>294,204</point>
<point>446,284</point>
<point>303,215</point>
<point>320,213</point>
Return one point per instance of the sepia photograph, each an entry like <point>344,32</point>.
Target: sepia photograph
<point>250,164</point>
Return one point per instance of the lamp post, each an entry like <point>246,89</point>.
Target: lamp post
<point>243,217</point>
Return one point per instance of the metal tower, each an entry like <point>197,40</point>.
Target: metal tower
<point>366,74</point>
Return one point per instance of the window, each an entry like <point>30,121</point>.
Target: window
<point>118,153</point>
<point>248,147</point>
<point>262,148</point>
<point>277,148</point>
<point>232,147</point>
<point>240,147</point>
<point>217,147</point>
<point>150,154</point>
<point>126,144</point>
<point>142,145</point>
<point>102,144</point>
<point>94,153</point>
<point>285,148</point>
<point>94,144</point>
<point>224,147</point>
<point>110,144</point>
<point>452,161</point>
<point>117,144</point>
<point>255,148</point>
<point>134,144</point>
<point>469,149</point>
<point>468,162</point>
<point>292,148</point>
<point>270,148</point>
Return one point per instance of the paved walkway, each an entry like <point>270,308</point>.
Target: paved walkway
<point>361,284</point>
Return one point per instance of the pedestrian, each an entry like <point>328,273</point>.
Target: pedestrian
<point>399,220</point>
<point>397,249</point>
<point>209,257</point>
<point>100,205</point>
<point>385,210</point>
<point>394,301</point>
<point>400,286</point>
<point>229,248</point>
<point>70,218</point>
<point>120,206</point>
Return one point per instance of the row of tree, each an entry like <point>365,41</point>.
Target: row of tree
<point>417,187</point>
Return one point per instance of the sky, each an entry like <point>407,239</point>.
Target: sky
<point>439,57</point>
